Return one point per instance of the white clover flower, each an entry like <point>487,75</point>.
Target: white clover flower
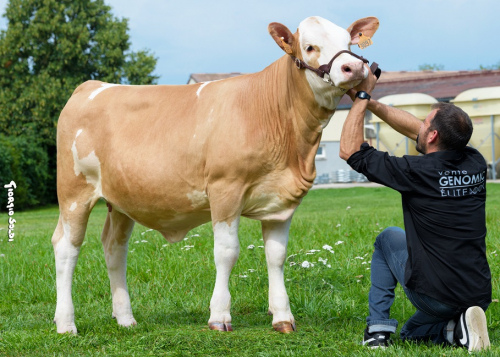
<point>292,264</point>
<point>260,246</point>
<point>144,241</point>
<point>148,230</point>
<point>306,264</point>
<point>133,250</point>
<point>251,246</point>
<point>363,263</point>
<point>136,242</point>
<point>348,208</point>
<point>338,225</point>
<point>251,270</point>
<point>339,242</point>
<point>165,245</point>
<point>327,247</point>
<point>243,276</point>
<point>328,266</point>
<point>2,255</point>
<point>186,238</point>
<point>359,258</point>
<point>195,235</point>
<point>187,247</point>
<point>322,260</point>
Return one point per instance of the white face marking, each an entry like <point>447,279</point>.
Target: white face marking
<point>99,90</point>
<point>198,199</point>
<point>73,207</point>
<point>78,133</point>
<point>328,39</point>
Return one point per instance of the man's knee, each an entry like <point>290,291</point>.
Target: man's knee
<point>389,234</point>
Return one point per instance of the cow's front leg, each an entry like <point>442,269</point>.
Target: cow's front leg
<point>226,251</point>
<point>276,239</point>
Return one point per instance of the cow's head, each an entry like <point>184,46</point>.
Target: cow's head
<point>317,41</point>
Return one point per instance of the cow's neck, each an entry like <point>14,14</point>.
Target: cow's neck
<point>298,104</point>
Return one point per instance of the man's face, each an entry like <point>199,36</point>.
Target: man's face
<point>424,132</point>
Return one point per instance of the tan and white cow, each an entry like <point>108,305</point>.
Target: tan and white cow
<point>175,157</point>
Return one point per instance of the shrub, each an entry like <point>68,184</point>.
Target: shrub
<point>27,164</point>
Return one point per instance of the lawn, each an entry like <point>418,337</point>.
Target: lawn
<point>171,284</point>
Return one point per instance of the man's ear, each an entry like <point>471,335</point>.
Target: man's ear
<point>367,26</point>
<point>433,137</point>
<point>283,37</point>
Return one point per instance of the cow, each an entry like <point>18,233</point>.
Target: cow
<point>173,157</point>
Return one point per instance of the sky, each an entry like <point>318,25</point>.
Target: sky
<point>223,36</point>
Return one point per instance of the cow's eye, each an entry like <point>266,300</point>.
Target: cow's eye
<point>310,48</point>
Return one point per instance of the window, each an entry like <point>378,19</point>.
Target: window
<point>321,153</point>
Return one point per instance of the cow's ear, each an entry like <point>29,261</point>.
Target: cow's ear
<point>283,37</point>
<point>368,26</point>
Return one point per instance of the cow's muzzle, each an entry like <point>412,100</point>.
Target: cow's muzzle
<point>323,71</point>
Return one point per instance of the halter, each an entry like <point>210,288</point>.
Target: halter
<point>324,70</point>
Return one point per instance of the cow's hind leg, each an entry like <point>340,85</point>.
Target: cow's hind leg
<point>226,251</point>
<point>67,240</point>
<point>275,240</point>
<point>115,236</point>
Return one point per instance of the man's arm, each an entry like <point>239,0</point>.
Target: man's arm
<point>400,120</point>
<point>353,130</point>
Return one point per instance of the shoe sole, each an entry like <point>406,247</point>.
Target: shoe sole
<point>475,320</point>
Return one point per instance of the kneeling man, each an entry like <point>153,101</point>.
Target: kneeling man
<point>440,257</point>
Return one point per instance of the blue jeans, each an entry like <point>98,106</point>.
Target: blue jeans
<point>433,320</point>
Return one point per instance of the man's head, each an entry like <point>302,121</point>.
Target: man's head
<point>447,127</point>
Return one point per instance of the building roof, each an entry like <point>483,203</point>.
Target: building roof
<point>442,85</point>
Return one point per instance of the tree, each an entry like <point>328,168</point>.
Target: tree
<point>431,67</point>
<point>489,68</point>
<point>49,48</point>
<point>52,46</point>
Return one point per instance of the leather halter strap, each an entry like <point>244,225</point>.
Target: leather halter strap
<point>325,69</point>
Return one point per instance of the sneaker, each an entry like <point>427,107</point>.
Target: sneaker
<point>471,331</point>
<point>376,339</point>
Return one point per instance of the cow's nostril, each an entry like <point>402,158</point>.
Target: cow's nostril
<point>346,69</point>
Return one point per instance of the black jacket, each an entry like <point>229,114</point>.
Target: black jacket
<point>443,196</point>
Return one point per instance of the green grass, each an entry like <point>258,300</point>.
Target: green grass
<point>170,287</point>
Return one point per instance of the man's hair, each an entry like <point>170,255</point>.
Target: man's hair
<point>453,125</point>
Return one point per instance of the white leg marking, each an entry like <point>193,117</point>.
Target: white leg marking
<point>226,251</point>
<point>78,133</point>
<point>66,255</point>
<point>276,240</point>
<point>116,261</point>
<point>99,90</point>
<point>73,206</point>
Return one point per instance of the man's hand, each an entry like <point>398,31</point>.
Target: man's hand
<point>366,84</point>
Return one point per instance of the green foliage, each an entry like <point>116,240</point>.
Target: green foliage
<point>49,48</point>
<point>489,68</point>
<point>26,164</point>
<point>431,67</point>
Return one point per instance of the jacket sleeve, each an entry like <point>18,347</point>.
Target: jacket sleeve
<point>380,167</point>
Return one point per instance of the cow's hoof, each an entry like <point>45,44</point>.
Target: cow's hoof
<point>70,328</point>
<point>284,327</point>
<point>220,326</point>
